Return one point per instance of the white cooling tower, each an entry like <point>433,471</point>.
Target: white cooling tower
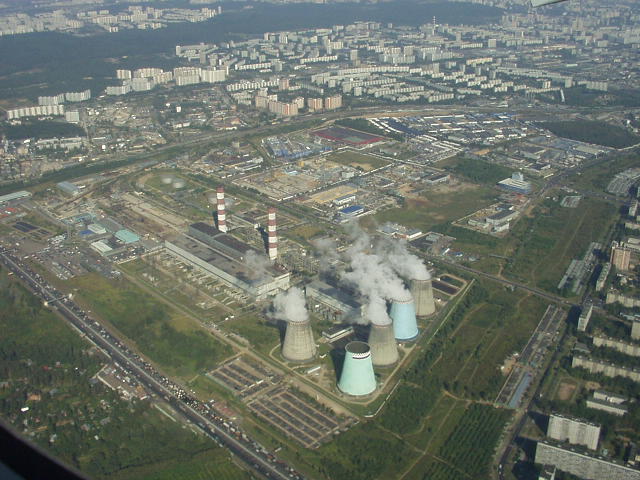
<point>298,343</point>
<point>384,350</point>
<point>422,291</point>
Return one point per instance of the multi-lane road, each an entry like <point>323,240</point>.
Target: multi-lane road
<point>249,451</point>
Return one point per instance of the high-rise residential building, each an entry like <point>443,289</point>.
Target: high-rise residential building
<point>582,464</point>
<point>332,103</point>
<point>620,256</point>
<point>575,431</point>
<point>585,316</point>
<point>314,104</point>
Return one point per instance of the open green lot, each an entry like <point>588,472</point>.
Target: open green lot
<point>83,423</point>
<point>547,241</point>
<point>436,208</point>
<point>589,131</point>
<point>356,159</point>
<point>477,171</point>
<point>172,340</point>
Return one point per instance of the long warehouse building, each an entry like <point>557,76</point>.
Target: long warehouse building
<point>223,257</point>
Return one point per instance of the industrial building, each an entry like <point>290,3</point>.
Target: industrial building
<point>14,196</point>
<point>573,430</point>
<point>223,257</point>
<point>357,378</point>
<point>582,464</point>
<point>516,184</point>
<point>69,188</point>
<point>339,305</point>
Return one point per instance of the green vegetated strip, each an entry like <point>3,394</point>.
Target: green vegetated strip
<point>365,452</point>
<point>44,129</point>
<point>166,337</point>
<point>553,236</point>
<point>364,125</point>
<point>455,374</point>
<point>600,133</point>
<point>480,171</point>
<point>48,368</point>
<point>471,444</point>
<point>435,210</point>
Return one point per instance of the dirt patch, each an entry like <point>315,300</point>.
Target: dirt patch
<point>565,391</point>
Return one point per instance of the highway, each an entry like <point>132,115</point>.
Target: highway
<point>255,456</point>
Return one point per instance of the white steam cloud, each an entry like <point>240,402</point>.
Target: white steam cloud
<point>257,265</point>
<point>376,270</point>
<point>404,263</point>
<point>377,311</point>
<point>290,306</point>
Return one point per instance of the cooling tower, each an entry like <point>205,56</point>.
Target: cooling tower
<point>357,372</point>
<point>298,343</point>
<point>403,314</point>
<point>422,291</point>
<point>384,351</point>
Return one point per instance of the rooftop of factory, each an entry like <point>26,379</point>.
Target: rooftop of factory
<point>219,260</point>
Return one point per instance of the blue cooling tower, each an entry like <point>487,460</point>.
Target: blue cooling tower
<point>357,372</point>
<point>403,314</point>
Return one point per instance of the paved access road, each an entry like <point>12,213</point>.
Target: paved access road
<point>254,455</point>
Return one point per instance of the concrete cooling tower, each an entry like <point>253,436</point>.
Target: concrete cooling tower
<point>384,350</point>
<point>298,343</point>
<point>422,291</point>
<point>403,314</point>
<point>357,377</point>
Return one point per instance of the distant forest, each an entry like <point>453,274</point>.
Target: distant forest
<point>589,131</point>
<point>43,129</point>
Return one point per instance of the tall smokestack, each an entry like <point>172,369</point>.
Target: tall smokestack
<point>422,291</point>
<point>403,314</point>
<point>222,213</point>
<point>272,236</point>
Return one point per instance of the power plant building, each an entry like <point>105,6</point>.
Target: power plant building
<point>222,257</point>
<point>341,304</point>
<point>357,377</point>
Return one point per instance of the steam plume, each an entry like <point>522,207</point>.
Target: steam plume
<point>404,263</point>
<point>290,306</point>
<point>258,265</point>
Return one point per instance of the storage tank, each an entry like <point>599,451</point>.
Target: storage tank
<point>403,314</point>
<point>298,343</point>
<point>384,349</point>
<point>357,378</point>
<point>422,291</point>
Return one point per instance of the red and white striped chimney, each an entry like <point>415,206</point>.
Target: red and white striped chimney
<point>273,237</point>
<point>222,214</point>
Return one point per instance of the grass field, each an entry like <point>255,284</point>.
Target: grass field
<point>434,208</point>
<point>598,176</point>
<point>553,236</point>
<point>174,341</point>
<point>94,430</point>
<point>588,131</point>
<point>355,159</point>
